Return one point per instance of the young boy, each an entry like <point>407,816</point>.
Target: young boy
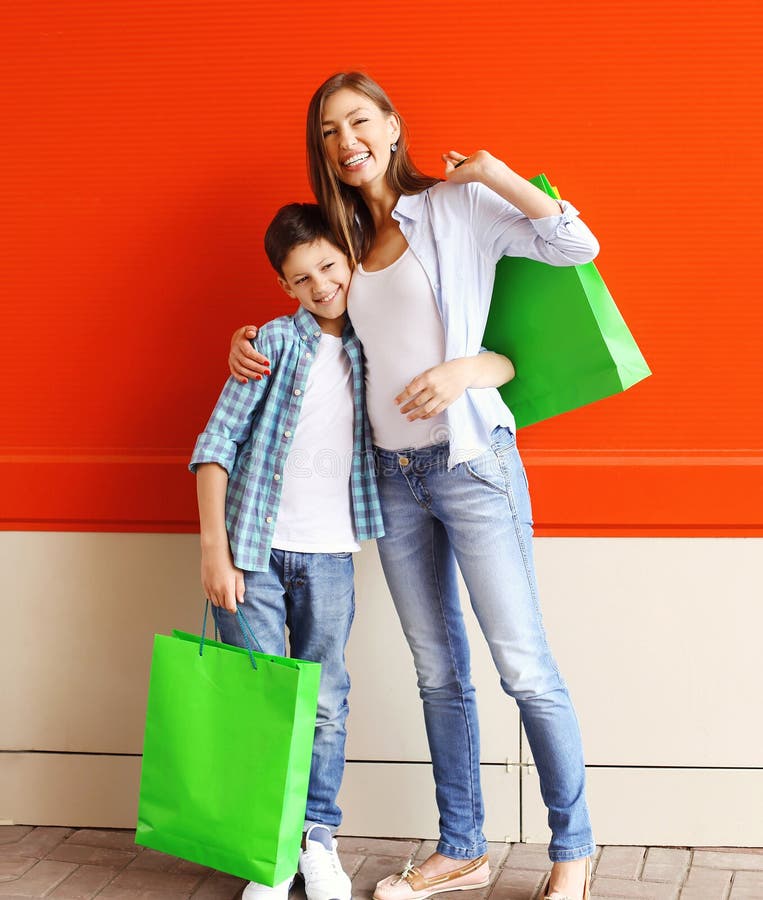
<point>286,489</point>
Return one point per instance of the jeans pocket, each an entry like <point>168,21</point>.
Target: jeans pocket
<point>502,439</point>
<point>487,470</point>
<point>345,555</point>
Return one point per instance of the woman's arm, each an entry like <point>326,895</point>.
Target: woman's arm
<point>243,360</point>
<point>495,174</point>
<point>223,583</point>
<point>437,388</point>
<point>509,216</point>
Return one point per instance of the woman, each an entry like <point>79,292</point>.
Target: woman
<point>452,484</point>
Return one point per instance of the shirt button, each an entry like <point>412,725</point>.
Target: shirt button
<point>297,393</point>
<point>403,460</point>
<point>437,287</point>
<point>269,519</point>
<point>287,434</point>
<point>276,477</point>
<point>308,355</point>
<point>316,334</point>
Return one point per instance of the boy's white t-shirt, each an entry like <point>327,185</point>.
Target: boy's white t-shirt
<point>315,514</point>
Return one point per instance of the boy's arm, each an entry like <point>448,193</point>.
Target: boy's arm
<point>223,583</point>
<point>437,388</point>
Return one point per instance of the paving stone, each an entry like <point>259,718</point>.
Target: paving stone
<point>747,886</point>
<point>532,857</point>
<point>13,866</point>
<point>148,880</point>
<point>37,843</point>
<point>94,856</point>
<point>351,862</point>
<point>161,862</point>
<point>728,859</point>
<point>698,893</point>
<point>9,834</point>
<point>84,883</point>
<point>121,893</point>
<point>628,887</point>
<point>219,887</point>
<point>116,839</point>
<point>620,862</point>
<point>665,864</point>
<point>516,884</point>
<point>39,880</point>
<point>715,882</point>
<point>185,866</point>
<point>379,847</point>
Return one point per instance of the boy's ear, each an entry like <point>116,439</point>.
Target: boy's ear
<point>284,285</point>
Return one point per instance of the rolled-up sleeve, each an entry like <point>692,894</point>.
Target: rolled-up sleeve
<point>501,229</point>
<point>231,421</point>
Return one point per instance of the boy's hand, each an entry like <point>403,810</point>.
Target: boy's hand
<point>243,360</point>
<point>223,583</point>
<point>434,390</point>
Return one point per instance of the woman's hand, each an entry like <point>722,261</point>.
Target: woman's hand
<point>243,360</point>
<point>495,174</point>
<point>223,583</point>
<point>480,166</point>
<point>435,390</point>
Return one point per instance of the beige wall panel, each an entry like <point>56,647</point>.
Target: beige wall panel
<point>386,719</point>
<point>69,789</point>
<point>80,612</point>
<point>669,807</point>
<point>658,640</point>
<point>397,800</point>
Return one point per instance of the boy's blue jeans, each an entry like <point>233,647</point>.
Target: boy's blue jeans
<point>312,594</point>
<point>478,515</point>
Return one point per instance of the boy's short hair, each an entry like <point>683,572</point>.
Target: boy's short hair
<point>292,225</point>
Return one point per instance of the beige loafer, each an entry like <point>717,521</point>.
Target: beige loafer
<point>411,884</point>
<point>544,894</point>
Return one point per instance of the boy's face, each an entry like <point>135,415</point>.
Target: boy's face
<point>318,275</point>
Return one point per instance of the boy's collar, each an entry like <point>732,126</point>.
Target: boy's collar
<point>308,328</point>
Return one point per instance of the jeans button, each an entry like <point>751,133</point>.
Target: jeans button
<point>403,460</point>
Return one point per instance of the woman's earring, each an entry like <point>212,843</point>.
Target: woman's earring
<point>393,147</point>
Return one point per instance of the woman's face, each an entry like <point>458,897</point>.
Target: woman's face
<point>357,136</point>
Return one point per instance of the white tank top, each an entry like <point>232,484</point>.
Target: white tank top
<point>395,315</point>
<point>315,515</point>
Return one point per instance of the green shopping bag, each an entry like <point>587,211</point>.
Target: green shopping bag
<point>564,334</point>
<point>226,757</point>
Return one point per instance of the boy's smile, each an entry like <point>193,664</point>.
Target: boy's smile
<point>318,275</point>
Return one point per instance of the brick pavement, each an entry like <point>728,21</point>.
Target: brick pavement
<point>70,864</point>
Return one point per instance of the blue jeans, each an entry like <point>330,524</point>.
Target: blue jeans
<point>313,595</point>
<point>478,516</point>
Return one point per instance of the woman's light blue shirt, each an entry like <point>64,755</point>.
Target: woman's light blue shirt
<point>458,233</point>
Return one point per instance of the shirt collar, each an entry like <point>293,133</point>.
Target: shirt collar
<point>308,328</point>
<point>410,206</point>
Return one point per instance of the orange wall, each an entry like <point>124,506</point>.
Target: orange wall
<point>146,143</point>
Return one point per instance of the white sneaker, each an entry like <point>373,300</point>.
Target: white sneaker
<point>256,891</point>
<point>319,865</point>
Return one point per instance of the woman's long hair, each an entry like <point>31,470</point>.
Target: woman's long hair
<point>343,206</point>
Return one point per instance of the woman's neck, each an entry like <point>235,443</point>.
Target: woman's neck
<point>380,200</point>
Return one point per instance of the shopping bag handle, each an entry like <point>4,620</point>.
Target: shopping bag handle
<point>242,624</point>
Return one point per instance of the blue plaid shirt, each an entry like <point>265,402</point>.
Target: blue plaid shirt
<point>250,433</point>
